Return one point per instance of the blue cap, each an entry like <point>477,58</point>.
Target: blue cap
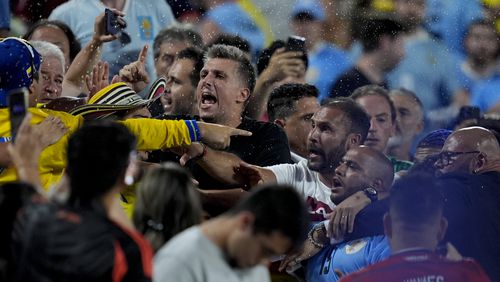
<point>434,139</point>
<point>19,61</point>
<point>311,7</point>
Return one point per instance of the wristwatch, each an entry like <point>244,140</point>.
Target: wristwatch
<point>371,193</point>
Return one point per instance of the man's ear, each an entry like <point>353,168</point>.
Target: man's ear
<point>280,122</point>
<point>378,184</point>
<point>388,225</point>
<point>479,162</point>
<point>420,127</point>
<point>245,219</point>
<point>244,95</point>
<point>353,140</point>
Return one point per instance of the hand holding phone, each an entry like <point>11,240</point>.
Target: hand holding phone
<point>114,24</point>
<point>17,101</point>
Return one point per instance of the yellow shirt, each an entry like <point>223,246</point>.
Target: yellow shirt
<point>151,135</point>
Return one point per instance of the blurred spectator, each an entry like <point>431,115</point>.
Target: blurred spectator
<point>428,66</point>
<point>326,61</point>
<point>169,42</point>
<point>31,11</point>
<point>382,42</point>
<point>235,246</point>
<point>238,17</point>
<point>409,124</point>
<point>431,144</point>
<point>415,224</point>
<point>57,33</point>
<point>167,203</point>
<point>449,19</point>
<point>275,66</point>
<point>104,150</point>
<point>486,96</point>
<point>4,18</point>
<point>292,106</point>
<point>52,70</point>
<point>144,20</point>
<point>482,49</point>
<point>13,196</point>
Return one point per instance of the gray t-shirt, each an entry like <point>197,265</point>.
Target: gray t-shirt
<point>191,256</point>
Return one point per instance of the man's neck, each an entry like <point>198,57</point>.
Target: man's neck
<point>369,66</point>
<point>217,230</point>
<point>400,152</point>
<point>232,121</point>
<point>405,242</point>
<point>326,177</point>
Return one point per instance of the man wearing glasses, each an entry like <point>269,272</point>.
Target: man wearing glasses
<point>470,163</point>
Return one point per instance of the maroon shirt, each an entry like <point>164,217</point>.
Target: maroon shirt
<point>420,265</point>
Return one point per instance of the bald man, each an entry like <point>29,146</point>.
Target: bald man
<point>470,161</point>
<point>361,167</point>
<point>470,150</point>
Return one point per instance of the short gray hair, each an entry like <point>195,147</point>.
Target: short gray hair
<point>177,33</point>
<point>47,49</point>
<point>245,68</point>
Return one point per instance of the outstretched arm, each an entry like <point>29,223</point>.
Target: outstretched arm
<point>226,167</point>
<point>74,81</point>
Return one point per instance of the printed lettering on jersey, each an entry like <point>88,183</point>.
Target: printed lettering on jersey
<point>416,258</point>
<point>427,278</point>
<point>317,209</point>
<point>146,27</point>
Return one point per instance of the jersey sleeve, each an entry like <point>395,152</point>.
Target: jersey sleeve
<point>159,134</point>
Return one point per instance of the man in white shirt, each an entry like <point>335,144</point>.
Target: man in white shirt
<point>237,245</point>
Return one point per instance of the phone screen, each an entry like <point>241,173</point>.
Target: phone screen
<point>18,106</point>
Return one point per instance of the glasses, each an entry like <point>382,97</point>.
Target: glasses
<point>446,157</point>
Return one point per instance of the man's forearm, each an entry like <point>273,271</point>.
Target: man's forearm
<point>81,66</point>
<point>221,166</point>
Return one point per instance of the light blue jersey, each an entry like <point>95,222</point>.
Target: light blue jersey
<point>486,95</point>
<point>333,262</point>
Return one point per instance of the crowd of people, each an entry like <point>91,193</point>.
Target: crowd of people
<point>207,151</point>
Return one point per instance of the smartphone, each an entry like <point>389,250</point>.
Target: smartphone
<point>17,100</point>
<point>296,43</point>
<point>113,26</point>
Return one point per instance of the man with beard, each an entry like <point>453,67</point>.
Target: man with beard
<point>361,167</point>
<point>338,126</point>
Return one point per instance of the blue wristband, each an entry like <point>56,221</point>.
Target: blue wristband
<point>5,139</point>
<point>192,126</point>
<point>197,130</point>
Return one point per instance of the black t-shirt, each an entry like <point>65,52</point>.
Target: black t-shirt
<point>267,146</point>
<point>54,243</point>
<point>472,207</point>
<point>350,81</point>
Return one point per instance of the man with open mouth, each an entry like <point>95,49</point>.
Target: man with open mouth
<point>226,82</point>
